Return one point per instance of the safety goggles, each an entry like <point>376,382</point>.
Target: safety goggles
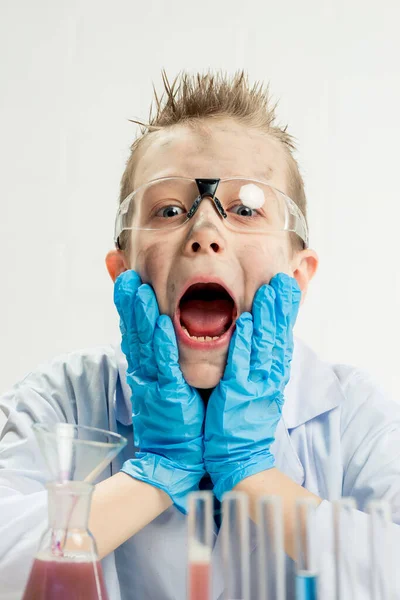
<point>244,205</point>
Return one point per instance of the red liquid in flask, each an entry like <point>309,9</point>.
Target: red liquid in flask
<point>199,581</point>
<point>64,580</point>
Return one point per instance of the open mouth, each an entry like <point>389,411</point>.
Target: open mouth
<point>206,312</point>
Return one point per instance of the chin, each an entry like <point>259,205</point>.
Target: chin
<point>203,375</point>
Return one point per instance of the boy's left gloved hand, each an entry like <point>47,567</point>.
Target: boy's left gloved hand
<point>245,408</point>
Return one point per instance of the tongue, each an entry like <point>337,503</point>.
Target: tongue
<point>203,317</point>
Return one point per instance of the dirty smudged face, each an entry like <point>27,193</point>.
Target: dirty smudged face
<point>203,273</point>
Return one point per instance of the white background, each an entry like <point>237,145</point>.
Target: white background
<point>73,73</point>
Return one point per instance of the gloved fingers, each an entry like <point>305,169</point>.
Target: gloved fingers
<point>146,314</point>
<point>238,363</point>
<point>166,353</point>
<point>263,332</point>
<point>125,289</point>
<point>294,311</point>
<point>287,303</point>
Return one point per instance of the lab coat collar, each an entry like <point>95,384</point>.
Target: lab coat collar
<point>313,388</point>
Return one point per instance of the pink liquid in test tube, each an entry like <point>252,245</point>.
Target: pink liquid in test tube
<point>200,535</point>
<point>199,581</point>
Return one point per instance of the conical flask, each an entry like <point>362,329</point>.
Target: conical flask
<point>66,565</point>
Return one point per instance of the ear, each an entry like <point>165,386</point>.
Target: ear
<point>304,265</point>
<point>116,263</point>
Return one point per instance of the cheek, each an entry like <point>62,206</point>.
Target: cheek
<point>153,262</point>
<point>260,262</point>
<point>146,255</point>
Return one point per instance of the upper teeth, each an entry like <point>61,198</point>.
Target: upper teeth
<point>202,338</point>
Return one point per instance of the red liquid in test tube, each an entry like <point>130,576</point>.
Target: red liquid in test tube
<point>200,541</point>
<point>199,581</point>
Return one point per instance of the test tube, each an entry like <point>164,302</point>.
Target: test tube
<point>200,537</point>
<point>235,546</point>
<point>380,554</point>
<point>344,535</point>
<point>306,559</point>
<point>271,566</point>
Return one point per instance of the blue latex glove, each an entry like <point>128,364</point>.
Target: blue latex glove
<point>245,408</point>
<point>168,415</point>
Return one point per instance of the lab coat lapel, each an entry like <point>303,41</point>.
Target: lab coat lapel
<point>286,458</point>
<point>313,388</point>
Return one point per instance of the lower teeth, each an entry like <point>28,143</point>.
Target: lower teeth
<point>205,338</point>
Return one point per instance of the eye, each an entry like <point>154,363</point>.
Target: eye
<point>243,211</point>
<point>170,211</point>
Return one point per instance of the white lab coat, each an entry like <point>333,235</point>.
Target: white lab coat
<point>339,436</point>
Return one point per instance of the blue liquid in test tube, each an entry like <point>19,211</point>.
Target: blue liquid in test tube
<point>306,554</point>
<point>306,586</point>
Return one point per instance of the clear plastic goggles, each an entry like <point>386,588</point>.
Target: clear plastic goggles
<point>244,205</point>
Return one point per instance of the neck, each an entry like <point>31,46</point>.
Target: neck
<point>205,394</point>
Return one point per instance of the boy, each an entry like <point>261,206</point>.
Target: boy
<point>211,263</point>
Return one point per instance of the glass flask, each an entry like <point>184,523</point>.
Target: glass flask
<point>66,565</point>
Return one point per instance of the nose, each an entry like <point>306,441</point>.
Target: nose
<point>205,236</point>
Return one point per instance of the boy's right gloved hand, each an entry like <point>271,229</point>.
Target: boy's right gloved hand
<point>167,413</point>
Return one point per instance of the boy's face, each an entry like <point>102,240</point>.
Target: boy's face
<point>204,249</point>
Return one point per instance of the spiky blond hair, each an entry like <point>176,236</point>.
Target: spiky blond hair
<point>191,98</point>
